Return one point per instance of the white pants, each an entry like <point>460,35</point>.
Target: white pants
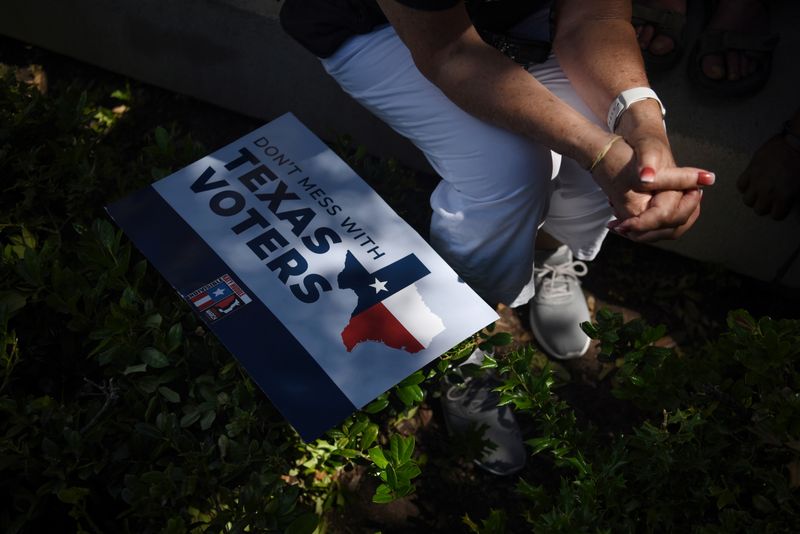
<point>498,188</point>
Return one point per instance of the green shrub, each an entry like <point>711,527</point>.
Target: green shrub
<point>119,411</point>
<point>717,450</point>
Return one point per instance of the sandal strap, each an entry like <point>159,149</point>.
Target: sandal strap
<point>665,21</point>
<point>717,41</point>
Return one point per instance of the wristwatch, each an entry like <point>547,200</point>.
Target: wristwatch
<point>625,100</point>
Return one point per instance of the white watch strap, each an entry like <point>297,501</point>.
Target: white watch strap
<point>625,100</point>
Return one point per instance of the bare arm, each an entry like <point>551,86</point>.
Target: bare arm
<point>448,51</point>
<point>597,48</point>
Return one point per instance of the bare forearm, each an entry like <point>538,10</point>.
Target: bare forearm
<point>597,48</point>
<point>483,82</point>
<point>449,52</point>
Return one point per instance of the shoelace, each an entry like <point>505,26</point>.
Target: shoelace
<point>456,392</point>
<point>553,280</point>
<point>470,390</point>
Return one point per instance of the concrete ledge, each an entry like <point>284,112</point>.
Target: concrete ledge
<point>234,54</point>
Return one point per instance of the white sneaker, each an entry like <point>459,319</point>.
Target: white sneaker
<point>559,306</point>
<point>473,405</point>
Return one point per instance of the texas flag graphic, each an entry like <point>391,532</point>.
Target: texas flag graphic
<point>390,310</point>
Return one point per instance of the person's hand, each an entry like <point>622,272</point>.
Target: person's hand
<point>652,198</point>
<point>771,182</point>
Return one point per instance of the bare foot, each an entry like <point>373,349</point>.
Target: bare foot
<point>741,16</point>
<point>771,183</point>
<point>648,36</point>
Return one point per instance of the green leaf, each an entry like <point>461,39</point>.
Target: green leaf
<point>169,394</point>
<point>105,233</point>
<point>378,458</point>
<point>222,442</point>
<point>406,449</point>
<point>12,300</point>
<point>154,358</point>
<point>72,494</point>
<point>128,299</point>
<point>391,476</point>
<point>162,138</point>
<point>153,321</point>
<point>501,339</point>
<point>762,504</point>
<point>377,405</point>
<point>347,453</point>
<point>401,448</point>
<point>28,238</point>
<point>174,337</point>
<point>383,494</point>
<point>142,367</point>
<point>122,94</point>
<point>471,524</point>
<point>413,379</point>
<point>369,436</point>
<point>537,445</point>
<point>488,362</point>
<point>190,417</point>
<point>408,471</point>
<point>410,395</point>
<point>305,524</point>
<point>208,420</point>
<point>150,382</point>
<point>359,426</point>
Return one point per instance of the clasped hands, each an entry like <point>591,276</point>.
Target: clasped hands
<point>652,198</point>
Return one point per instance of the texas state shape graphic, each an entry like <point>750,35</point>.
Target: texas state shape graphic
<point>389,310</point>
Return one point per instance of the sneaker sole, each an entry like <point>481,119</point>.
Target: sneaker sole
<point>549,350</point>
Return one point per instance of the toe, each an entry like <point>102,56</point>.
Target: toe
<point>646,36</point>
<point>713,66</point>
<point>661,45</point>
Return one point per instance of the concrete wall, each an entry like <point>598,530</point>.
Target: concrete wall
<point>233,53</point>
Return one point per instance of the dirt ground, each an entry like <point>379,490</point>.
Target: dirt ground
<point>691,298</point>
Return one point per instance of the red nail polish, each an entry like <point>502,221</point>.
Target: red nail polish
<point>706,178</point>
<point>647,175</point>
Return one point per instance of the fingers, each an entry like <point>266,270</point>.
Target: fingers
<point>666,233</point>
<point>675,178</point>
<point>657,170</point>
<point>669,214</point>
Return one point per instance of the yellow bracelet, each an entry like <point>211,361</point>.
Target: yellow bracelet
<point>600,155</point>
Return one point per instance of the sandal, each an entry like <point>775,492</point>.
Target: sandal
<point>668,23</point>
<point>758,45</point>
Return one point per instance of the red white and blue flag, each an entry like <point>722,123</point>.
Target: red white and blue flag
<point>390,310</point>
<point>219,298</point>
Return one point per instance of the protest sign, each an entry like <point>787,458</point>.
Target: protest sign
<point>303,272</point>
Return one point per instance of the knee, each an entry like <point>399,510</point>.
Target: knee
<point>518,174</point>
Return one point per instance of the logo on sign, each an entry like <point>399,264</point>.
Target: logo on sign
<point>219,298</point>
